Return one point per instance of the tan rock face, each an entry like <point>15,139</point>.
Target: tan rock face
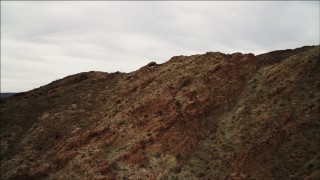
<point>211,116</point>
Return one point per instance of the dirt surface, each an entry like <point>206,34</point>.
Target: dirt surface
<point>210,116</point>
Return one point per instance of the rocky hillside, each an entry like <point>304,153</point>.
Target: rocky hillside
<point>210,116</point>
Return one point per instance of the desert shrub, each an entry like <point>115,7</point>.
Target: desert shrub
<point>121,123</point>
<point>184,82</point>
<point>159,113</point>
<point>176,169</point>
<point>114,166</point>
<point>310,166</point>
<point>200,174</point>
<point>227,147</point>
<point>172,177</point>
<point>151,64</point>
<point>179,157</point>
<point>158,154</point>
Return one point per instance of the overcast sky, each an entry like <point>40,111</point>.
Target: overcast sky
<point>45,41</point>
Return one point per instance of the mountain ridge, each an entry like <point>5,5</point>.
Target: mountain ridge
<point>215,116</point>
<point>6,94</point>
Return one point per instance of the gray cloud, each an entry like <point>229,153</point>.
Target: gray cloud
<point>44,41</point>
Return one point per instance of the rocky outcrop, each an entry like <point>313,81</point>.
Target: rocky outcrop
<point>210,116</point>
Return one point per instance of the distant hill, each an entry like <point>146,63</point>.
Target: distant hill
<point>6,95</point>
<point>209,116</point>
